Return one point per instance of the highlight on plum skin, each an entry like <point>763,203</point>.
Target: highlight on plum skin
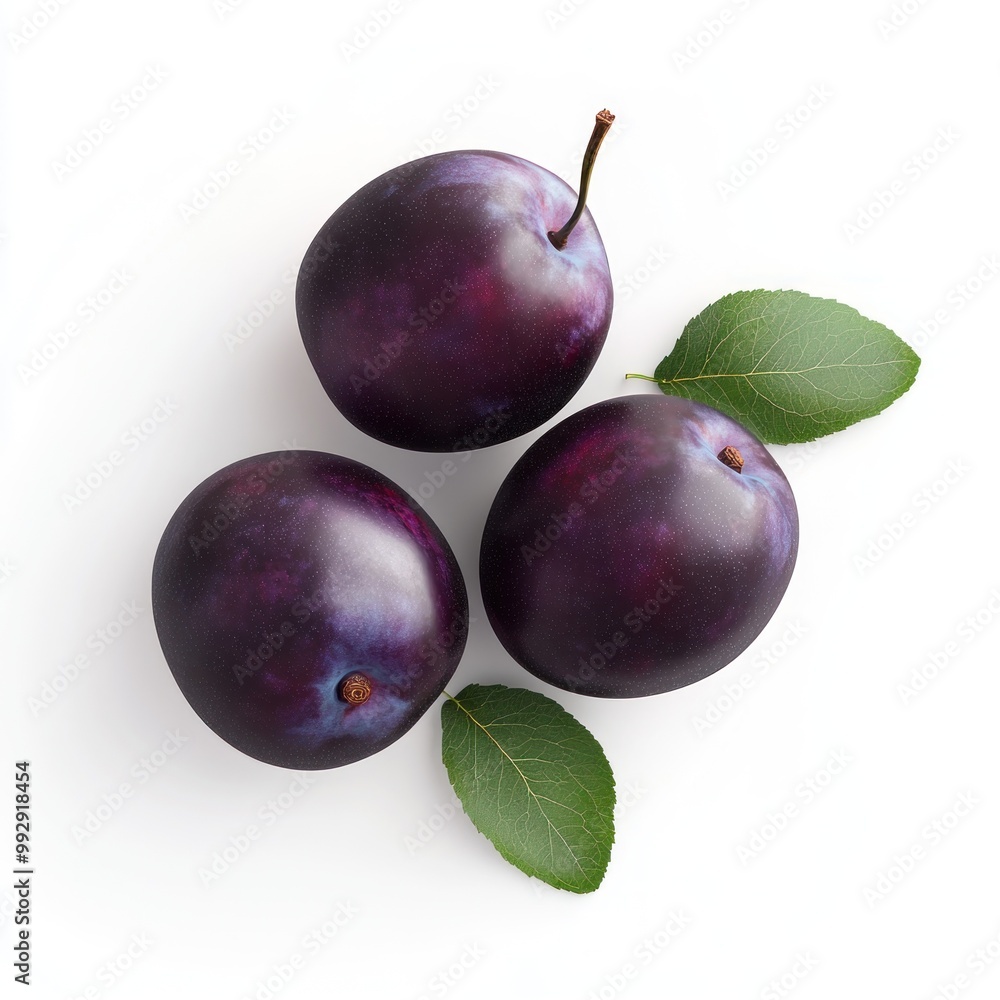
<point>309,610</point>
<point>437,311</point>
<point>638,546</point>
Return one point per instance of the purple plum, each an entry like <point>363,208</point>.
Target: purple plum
<point>638,546</point>
<point>309,610</point>
<point>440,309</point>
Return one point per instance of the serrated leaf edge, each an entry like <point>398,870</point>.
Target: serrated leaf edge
<point>910,357</point>
<point>547,877</point>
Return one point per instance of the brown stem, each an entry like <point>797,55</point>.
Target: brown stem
<point>731,456</point>
<point>601,126</point>
<point>355,689</point>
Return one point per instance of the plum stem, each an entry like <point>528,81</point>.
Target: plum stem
<point>355,689</point>
<point>601,126</point>
<point>647,378</point>
<point>732,458</point>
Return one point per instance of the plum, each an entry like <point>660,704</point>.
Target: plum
<point>440,309</point>
<point>309,610</point>
<point>638,546</point>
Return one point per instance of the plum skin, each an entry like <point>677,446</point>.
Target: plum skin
<point>621,558</point>
<point>437,313</point>
<point>282,574</point>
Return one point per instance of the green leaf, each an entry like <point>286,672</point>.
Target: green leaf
<point>788,366</point>
<point>533,780</point>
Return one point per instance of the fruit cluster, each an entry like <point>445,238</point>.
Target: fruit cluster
<point>311,611</point>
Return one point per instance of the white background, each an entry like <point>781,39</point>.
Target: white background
<point>898,514</point>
